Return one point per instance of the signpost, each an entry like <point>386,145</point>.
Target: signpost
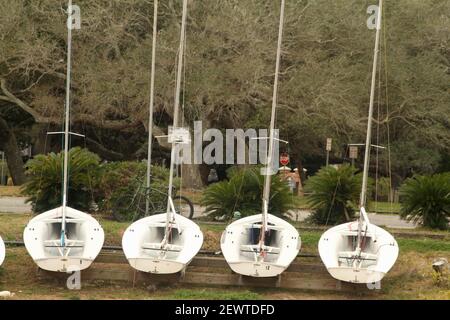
<point>353,154</point>
<point>353,150</point>
<point>329,142</point>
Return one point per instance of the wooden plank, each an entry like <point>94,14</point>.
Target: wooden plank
<point>310,272</point>
<point>47,275</point>
<point>211,262</point>
<point>219,262</point>
<point>288,280</point>
<point>311,284</point>
<point>306,267</point>
<point>111,257</point>
<point>210,279</point>
<point>303,274</point>
<point>149,278</point>
<point>107,274</point>
<point>206,263</point>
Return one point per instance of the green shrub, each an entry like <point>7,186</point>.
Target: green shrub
<point>45,172</point>
<point>119,179</point>
<point>334,194</point>
<point>243,192</point>
<point>426,200</point>
<point>384,190</point>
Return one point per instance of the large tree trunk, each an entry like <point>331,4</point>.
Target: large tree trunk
<point>192,176</point>
<point>14,160</point>
<point>300,190</point>
<point>39,132</point>
<point>102,151</point>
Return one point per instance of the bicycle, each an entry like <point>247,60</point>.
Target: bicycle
<point>132,206</point>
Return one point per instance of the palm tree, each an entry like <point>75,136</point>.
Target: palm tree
<point>243,192</point>
<point>334,194</point>
<point>426,200</point>
<point>44,186</point>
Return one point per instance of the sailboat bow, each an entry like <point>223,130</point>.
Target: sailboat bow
<point>247,255</point>
<point>75,250</point>
<point>366,260</point>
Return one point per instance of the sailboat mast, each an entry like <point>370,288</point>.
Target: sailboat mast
<point>270,160</point>
<point>67,117</point>
<point>363,199</point>
<point>152,99</point>
<point>177,105</point>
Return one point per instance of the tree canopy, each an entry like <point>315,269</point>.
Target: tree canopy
<point>230,61</point>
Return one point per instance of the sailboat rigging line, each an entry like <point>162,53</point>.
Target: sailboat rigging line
<point>371,104</point>
<point>170,215</point>
<point>369,123</point>
<point>377,151</point>
<point>332,201</point>
<point>183,100</point>
<point>67,122</point>
<point>391,200</point>
<point>270,160</point>
<point>151,106</point>
<point>363,239</point>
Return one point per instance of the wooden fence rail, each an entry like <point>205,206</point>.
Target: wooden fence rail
<point>305,273</point>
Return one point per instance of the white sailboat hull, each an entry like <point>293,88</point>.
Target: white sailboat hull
<point>239,244</point>
<point>42,238</point>
<point>2,251</point>
<point>157,266</point>
<point>356,276</point>
<point>60,264</point>
<point>142,247</point>
<point>257,269</point>
<point>378,255</point>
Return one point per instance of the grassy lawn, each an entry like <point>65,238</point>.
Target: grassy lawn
<point>384,207</point>
<point>205,294</point>
<point>411,278</point>
<point>301,203</point>
<point>424,245</point>
<point>12,225</point>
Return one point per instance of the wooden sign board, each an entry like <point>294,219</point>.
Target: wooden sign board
<point>179,135</point>
<point>353,152</point>
<point>329,142</point>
